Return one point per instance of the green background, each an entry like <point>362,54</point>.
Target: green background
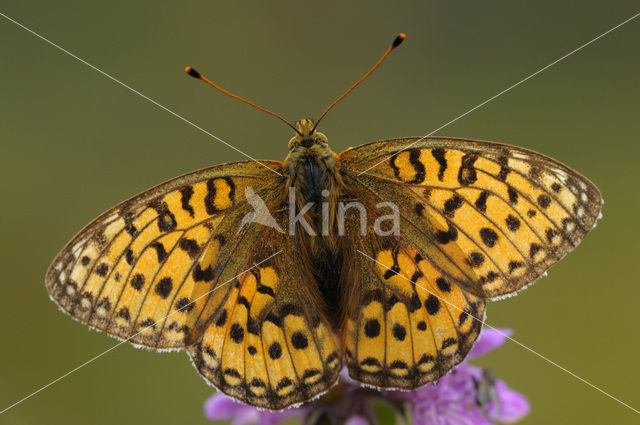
<point>74,143</point>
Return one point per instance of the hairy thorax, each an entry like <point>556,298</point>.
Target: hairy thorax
<point>317,188</point>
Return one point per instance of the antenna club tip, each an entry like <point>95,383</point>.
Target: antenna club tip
<point>399,39</point>
<point>192,72</point>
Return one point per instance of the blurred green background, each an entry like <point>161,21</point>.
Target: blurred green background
<point>74,143</point>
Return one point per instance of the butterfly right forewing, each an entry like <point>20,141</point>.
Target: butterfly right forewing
<point>510,212</point>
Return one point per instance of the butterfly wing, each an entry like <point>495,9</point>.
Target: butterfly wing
<point>134,270</point>
<point>406,324</point>
<point>499,215</point>
<point>265,339</point>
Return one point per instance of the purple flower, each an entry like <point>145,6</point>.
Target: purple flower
<point>220,407</point>
<point>467,395</point>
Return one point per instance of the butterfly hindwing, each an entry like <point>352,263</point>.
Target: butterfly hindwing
<point>132,272</point>
<point>512,213</point>
<point>267,341</point>
<point>406,324</point>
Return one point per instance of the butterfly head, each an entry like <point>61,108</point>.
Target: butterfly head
<point>307,136</point>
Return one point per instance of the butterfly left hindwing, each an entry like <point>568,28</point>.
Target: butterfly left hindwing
<point>269,343</point>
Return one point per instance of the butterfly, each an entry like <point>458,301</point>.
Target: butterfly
<point>269,308</point>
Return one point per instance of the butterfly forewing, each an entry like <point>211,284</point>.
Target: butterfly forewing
<point>512,213</point>
<point>133,271</point>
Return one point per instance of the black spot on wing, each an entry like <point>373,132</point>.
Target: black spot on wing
<point>166,220</point>
<point>481,202</point>
<point>128,255</point>
<point>372,328</point>
<point>414,159</point>
<point>544,201</point>
<point>512,222</point>
<point>253,326</point>
<point>451,235</point>
<point>513,195</point>
<point>185,196</point>
<point>190,246</point>
<point>160,251</point>
<point>210,197</point>
<point>202,275</point>
<point>476,259</point>
<point>299,341</point>
<point>504,169</point>
<point>432,304</point>
<point>489,237</point>
<point>137,282</point>
<point>222,318</point>
<point>399,332</point>
<point>124,313</point>
<point>443,285</point>
<point>184,304</point>
<point>438,155</point>
<point>467,173</point>
<point>513,265</point>
<point>102,269</point>
<point>236,333</point>
<point>264,289</point>
<point>451,205</point>
<point>164,287</point>
<point>275,351</point>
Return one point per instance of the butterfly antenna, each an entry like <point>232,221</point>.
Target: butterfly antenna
<point>399,39</point>
<point>195,74</point>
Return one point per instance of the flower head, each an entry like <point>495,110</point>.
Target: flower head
<point>468,395</point>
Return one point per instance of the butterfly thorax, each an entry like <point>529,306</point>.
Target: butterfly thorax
<point>313,174</point>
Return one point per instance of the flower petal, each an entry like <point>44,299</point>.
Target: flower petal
<point>357,420</point>
<point>490,339</point>
<point>220,407</point>
<point>513,405</point>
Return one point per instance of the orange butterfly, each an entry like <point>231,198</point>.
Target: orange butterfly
<point>268,308</point>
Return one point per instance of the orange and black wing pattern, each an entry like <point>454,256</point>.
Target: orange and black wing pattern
<point>406,323</point>
<point>264,338</point>
<point>498,216</point>
<point>134,270</point>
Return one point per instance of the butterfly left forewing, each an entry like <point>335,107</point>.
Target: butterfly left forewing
<point>131,271</point>
<point>512,213</point>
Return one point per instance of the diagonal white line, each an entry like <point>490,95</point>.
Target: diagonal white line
<point>132,336</point>
<point>136,92</point>
<point>505,90</point>
<point>508,337</point>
